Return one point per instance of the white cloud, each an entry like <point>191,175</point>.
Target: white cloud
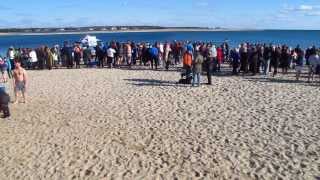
<point>202,4</point>
<point>307,10</point>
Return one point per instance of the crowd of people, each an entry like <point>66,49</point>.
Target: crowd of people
<point>245,59</point>
<point>196,58</point>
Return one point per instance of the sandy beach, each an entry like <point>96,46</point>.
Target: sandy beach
<point>138,124</point>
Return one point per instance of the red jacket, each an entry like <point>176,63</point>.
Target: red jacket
<point>219,55</point>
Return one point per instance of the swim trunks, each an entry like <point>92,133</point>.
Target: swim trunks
<point>20,86</point>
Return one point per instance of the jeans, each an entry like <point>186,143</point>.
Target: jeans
<point>196,75</point>
<point>155,62</point>
<point>266,65</point>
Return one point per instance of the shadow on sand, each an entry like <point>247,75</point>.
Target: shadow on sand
<point>154,82</point>
<point>281,81</point>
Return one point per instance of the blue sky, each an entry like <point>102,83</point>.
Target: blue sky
<point>258,14</point>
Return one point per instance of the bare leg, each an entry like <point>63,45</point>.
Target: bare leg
<point>309,75</point>
<point>24,97</point>
<point>16,97</point>
<point>297,76</point>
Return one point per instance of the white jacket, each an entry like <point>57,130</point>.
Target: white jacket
<point>33,56</point>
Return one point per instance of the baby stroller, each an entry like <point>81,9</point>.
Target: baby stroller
<point>186,77</point>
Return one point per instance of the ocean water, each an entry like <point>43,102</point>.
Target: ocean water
<point>289,37</point>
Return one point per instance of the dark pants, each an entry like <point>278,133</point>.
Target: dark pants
<point>101,62</point>
<point>10,75</point>
<point>77,60</point>
<point>12,64</point>
<point>109,61</point>
<point>254,66</point>
<point>275,65</point>
<point>69,62</point>
<point>235,66</point>
<point>167,64</point>
<point>177,59</point>
<point>209,68</point>
<point>41,64</point>
<point>155,61</point>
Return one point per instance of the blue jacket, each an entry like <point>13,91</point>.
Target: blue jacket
<point>190,48</point>
<point>154,52</point>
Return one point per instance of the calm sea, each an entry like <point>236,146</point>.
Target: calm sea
<point>290,37</point>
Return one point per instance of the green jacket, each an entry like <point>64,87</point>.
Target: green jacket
<point>197,63</point>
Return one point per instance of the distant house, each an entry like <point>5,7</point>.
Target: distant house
<point>123,28</point>
<point>61,29</point>
<point>114,28</point>
<point>28,31</point>
<point>91,29</point>
<point>103,29</point>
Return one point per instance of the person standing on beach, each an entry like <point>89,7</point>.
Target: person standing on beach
<point>49,58</point>
<point>110,56</point>
<point>187,64</point>
<point>121,54</point>
<point>135,53</point>
<point>128,54</point>
<point>220,57</point>
<point>33,59</point>
<point>77,55</point>
<point>66,52</point>
<point>167,51</point>
<point>244,58</point>
<point>154,53</point>
<point>254,60</point>
<point>20,81</point>
<point>285,59</point>
<point>314,63</point>
<point>86,56</point>
<point>100,56</point>
<point>266,59</point>
<point>176,50</point>
<point>275,57</point>
<point>4,103</point>
<point>197,69</point>
<point>3,68</point>
<point>299,62</point>
<point>11,56</point>
<point>9,70</point>
<point>235,57</point>
<point>39,56</point>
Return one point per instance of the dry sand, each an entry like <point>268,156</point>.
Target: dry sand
<point>125,124</point>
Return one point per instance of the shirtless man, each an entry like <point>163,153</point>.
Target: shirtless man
<point>20,81</point>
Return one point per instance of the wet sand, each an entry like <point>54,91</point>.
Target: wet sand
<point>130,124</point>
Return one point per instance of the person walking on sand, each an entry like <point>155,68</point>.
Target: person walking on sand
<point>197,69</point>
<point>20,81</point>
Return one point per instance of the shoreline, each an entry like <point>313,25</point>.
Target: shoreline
<point>126,31</point>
